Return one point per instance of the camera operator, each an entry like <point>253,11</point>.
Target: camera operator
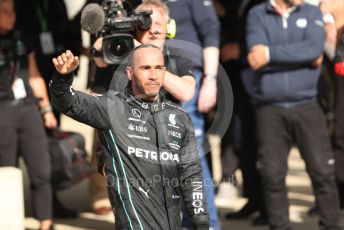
<point>21,124</point>
<point>179,82</point>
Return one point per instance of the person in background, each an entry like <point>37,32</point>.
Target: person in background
<point>24,102</point>
<point>338,137</point>
<point>198,24</point>
<point>329,95</point>
<point>283,84</point>
<point>47,23</point>
<point>337,7</point>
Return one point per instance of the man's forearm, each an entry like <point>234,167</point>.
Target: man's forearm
<point>182,88</point>
<point>40,91</point>
<point>290,53</point>
<point>90,110</point>
<point>211,57</point>
<point>60,91</point>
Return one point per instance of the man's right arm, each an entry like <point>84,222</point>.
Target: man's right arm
<point>82,107</point>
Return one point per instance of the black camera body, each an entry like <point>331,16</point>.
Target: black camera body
<point>119,29</point>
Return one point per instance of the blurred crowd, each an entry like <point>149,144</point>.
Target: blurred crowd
<point>285,62</point>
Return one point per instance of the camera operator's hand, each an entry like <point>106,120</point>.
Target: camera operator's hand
<point>66,62</point>
<point>98,45</point>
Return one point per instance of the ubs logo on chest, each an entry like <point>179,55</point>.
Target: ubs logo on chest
<point>137,128</point>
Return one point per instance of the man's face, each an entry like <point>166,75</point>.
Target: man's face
<point>7,16</point>
<point>147,73</point>
<point>156,35</point>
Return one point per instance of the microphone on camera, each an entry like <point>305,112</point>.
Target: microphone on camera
<point>92,18</point>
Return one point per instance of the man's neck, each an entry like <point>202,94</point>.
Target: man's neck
<point>146,98</point>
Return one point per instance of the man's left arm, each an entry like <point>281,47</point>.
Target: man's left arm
<point>191,179</point>
<point>208,27</point>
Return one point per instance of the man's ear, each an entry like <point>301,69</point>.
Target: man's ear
<point>129,72</point>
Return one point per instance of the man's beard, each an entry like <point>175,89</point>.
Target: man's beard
<point>290,2</point>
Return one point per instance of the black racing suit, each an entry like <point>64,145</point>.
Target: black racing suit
<point>149,152</point>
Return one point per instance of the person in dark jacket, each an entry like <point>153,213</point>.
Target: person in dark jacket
<point>285,40</point>
<point>151,160</point>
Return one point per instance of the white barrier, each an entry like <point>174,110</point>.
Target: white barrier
<point>11,199</point>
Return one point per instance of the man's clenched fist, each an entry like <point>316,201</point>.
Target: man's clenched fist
<point>66,62</point>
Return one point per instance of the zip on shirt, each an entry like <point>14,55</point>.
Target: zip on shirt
<point>285,18</point>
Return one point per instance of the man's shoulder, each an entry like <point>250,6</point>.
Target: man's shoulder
<point>305,7</point>
<point>309,6</point>
<point>114,95</point>
<point>178,61</point>
<point>258,12</point>
<point>259,8</point>
<point>169,105</point>
<point>173,49</point>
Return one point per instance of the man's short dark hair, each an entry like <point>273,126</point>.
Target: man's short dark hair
<point>131,55</point>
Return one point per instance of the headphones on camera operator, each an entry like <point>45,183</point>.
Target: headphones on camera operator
<point>171,29</point>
